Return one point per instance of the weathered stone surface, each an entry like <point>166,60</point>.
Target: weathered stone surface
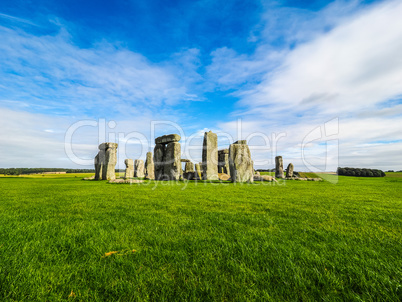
<point>172,168</point>
<point>105,146</point>
<point>279,167</point>
<point>159,161</point>
<point>129,168</point>
<point>183,160</point>
<point>189,172</point>
<point>149,166</point>
<point>125,181</point>
<point>223,176</point>
<point>223,161</point>
<point>241,165</point>
<point>256,173</point>
<point>166,139</point>
<point>210,156</point>
<point>139,168</point>
<point>289,170</point>
<point>105,161</point>
<point>189,167</point>
<point>308,179</point>
<point>99,164</point>
<point>198,171</point>
<point>263,178</point>
<point>241,142</point>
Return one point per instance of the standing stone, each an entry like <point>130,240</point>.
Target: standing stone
<point>172,169</point>
<point>279,167</point>
<point>129,168</point>
<point>159,160</point>
<point>109,161</point>
<point>241,165</point>
<point>210,156</point>
<point>198,171</point>
<point>189,172</point>
<point>99,164</point>
<point>149,166</point>
<point>289,170</point>
<point>139,170</point>
<point>223,164</point>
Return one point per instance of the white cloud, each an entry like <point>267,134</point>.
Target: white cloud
<point>352,72</point>
<point>342,62</point>
<point>53,75</point>
<point>355,65</point>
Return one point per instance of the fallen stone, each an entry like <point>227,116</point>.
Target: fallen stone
<point>125,181</point>
<point>223,176</point>
<point>263,178</point>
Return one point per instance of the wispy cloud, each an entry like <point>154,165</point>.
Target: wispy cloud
<point>55,76</point>
<point>351,71</point>
<point>16,19</point>
<point>305,68</point>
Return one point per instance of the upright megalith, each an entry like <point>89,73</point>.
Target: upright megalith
<point>129,168</point>
<point>105,161</point>
<point>289,170</point>
<point>210,156</point>
<point>149,166</point>
<point>198,171</point>
<point>279,167</point>
<point>189,172</point>
<point>240,163</point>
<point>223,161</point>
<point>99,163</point>
<point>139,168</point>
<point>159,160</point>
<point>172,169</point>
<point>167,155</point>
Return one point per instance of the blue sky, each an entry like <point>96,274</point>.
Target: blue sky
<point>278,66</point>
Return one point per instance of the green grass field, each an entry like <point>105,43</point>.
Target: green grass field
<point>291,241</point>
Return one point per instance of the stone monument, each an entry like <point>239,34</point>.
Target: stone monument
<point>210,156</point>
<point>279,167</point>
<point>240,163</point>
<point>129,168</point>
<point>105,161</point>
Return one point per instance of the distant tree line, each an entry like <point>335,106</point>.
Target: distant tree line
<point>360,172</point>
<point>20,171</point>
